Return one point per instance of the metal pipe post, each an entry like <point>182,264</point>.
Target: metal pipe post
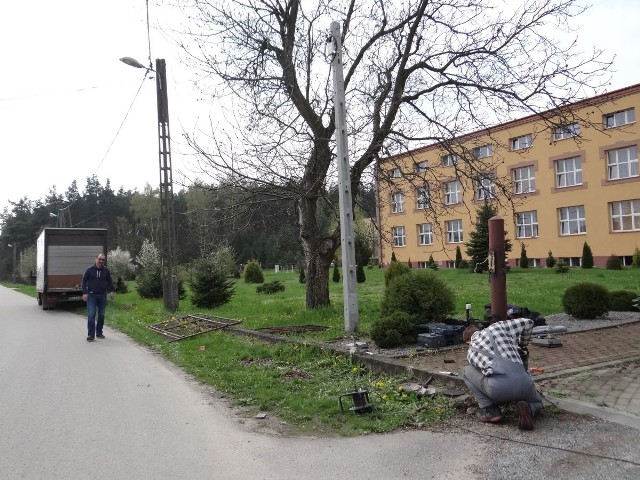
<point>497,267</point>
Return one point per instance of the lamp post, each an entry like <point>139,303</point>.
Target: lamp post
<point>168,225</point>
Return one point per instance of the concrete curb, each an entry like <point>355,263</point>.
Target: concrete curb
<point>584,408</point>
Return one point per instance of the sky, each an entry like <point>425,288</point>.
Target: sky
<point>69,109</point>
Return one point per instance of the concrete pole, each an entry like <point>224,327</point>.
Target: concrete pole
<point>497,267</point>
<point>349,283</point>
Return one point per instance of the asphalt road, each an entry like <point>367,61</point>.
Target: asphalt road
<point>113,410</point>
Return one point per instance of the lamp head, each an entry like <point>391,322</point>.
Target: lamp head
<point>133,62</point>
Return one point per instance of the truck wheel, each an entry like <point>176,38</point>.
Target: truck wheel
<point>39,299</point>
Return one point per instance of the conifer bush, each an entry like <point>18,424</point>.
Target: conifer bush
<point>270,288</point>
<point>210,284</point>
<point>622,301</point>
<point>421,294</point>
<point>614,263</point>
<point>253,272</point>
<point>394,270</point>
<point>586,300</point>
<point>393,330</point>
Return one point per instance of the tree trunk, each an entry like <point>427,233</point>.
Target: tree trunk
<point>318,264</point>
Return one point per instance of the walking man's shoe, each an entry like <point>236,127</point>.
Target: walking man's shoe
<point>490,414</point>
<point>100,336</point>
<point>525,419</point>
<point>89,339</point>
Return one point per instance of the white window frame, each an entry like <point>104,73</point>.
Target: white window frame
<point>396,173</point>
<point>568,172</point>
<point>454,231</point>
<point>421,167</point>
<point>486,187</point>
<point>452,192</point>
<point>524,179</point>
<point>625,215</point>
<point>449,160</point>
<point>423,200</point>
<point>622,162</point>
<point>566,131</point>
<point>572,220</point>
<point>425,234</point>
<point>399,236</point>
<point>524,141</point>
<point>527,224</point>
<point>483,151</point>
<point>617,119</point>
<point>397,202</point>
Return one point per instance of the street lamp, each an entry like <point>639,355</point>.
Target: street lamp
<point>168,225</point>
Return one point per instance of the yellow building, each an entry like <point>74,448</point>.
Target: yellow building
<point>559,180</point>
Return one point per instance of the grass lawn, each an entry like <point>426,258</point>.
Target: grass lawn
<point>301,383</point>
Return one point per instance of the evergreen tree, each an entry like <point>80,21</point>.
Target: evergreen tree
<point>360,276</point>
<point>587,256</point>
<point>551,260</point>
<point>302,278</point>
<point>210,286</point>
<point>478,245</point>
<point>393,257</point>
<point>458,257</point>
<point>409,263</point>
<point>336,272</point>
<point>524,260</point>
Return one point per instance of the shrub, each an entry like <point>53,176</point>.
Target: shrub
<point>614,263</point>
<point>464,265</point>
<point>360,276</point>
<point>421,294</point>
<point>550,261</point>
<point>393,257</point>
<point>622,301</point>
<point>253,272</point>
<point>210,285</point>
<point>336,273</point>
<point>392,330</point>
<point>524,260</point>
<point>587,256</point>
<point>431,263</point>
<point>148,255</point>
<point>458,257</point>
<point>301,277</point>
<point>561,267</point>
<point>225,259</point>
<point>635,262</point>
<point>270,288</point>
<point>586,300</point>
<point>409,263</point>
<point>120,264</point>
<point>149,281</point>
<point>394,270</point>
<point>121,286</point>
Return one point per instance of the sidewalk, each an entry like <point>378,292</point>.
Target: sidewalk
<point>594,372</point>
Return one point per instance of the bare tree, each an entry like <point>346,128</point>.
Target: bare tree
<point>417,72</point>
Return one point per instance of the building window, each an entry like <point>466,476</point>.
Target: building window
<point>519,143</point>
<point>572,221</point>
<point>449,160</point>
<point>619,118</point>
<point>569,172</point>
<point>396,173</point>
<point>399,238</point>
<point>625,216</point>
<point>483,151</point>
<point>571,261</point>
<point>566,131</point>
<point>527,224</point>
<point>524,179</point>
<point>454,231</point>
<point>485,188</point>
<point>425,234</point>
<point>422,198</point>
<point>421,167</point>
<point>622,163</point>
<point>452,192</point>
<point>397,202</point>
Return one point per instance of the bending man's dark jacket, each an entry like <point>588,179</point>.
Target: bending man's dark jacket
<point>97,280</point>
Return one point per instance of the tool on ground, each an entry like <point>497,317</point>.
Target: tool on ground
<point>361,401</point>
<point>547,340</point>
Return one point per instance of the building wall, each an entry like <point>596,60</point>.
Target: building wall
<point>593,194</point>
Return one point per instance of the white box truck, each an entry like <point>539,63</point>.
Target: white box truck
<point>62,256</point>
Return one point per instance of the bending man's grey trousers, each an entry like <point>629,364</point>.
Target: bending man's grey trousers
<point>512,384</point>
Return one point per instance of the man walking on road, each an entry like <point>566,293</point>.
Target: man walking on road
<point>96,283</point>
